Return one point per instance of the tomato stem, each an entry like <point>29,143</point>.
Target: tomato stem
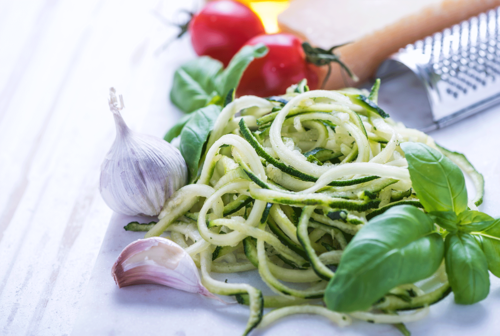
<point>322,57</point>
<point>183,26</point>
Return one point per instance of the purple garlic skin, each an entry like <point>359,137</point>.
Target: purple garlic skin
<point>140,172</point>
<point>160,261</point>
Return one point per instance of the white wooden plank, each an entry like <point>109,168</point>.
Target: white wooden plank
<point>21,34</point>
<point>32,105</point>
<point>60,166</point>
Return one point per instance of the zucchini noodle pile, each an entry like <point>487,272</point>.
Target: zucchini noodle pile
<point>286,182</point>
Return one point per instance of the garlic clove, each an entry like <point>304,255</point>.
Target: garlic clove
<point>157,260</point>
<point>140,172</point>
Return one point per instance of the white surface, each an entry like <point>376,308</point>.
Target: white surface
<point>156,310</point>
<point>57,62</point>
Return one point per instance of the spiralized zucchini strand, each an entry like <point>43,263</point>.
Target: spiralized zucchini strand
<point>341,319</point>
<point>363,168</point>
<point>180,203</point>
<point>321,270</point>
<point>288,156</point>
<point>242,147</point>
<point>257,233</point>
<point>273,283</point>
<point>232,238</point>
<point>392,319</point>
<point>227,114</point>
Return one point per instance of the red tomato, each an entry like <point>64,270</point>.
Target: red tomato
<point>285,64</point>
<point>222,28</point>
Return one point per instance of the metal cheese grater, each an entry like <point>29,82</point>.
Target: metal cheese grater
<point>447,76</point>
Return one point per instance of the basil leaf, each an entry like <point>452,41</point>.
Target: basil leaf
<point>491,249</point>
<point>176,130</point>
<point>477,227</point>
<point>493,229</point>
<point>194,135</point>
<point>487,235</point>
<point>467,268</point>
<point>194,85</point>
<point>438,182</point>
<point>395,248</point>
<point>445,219</point>
<point>473,216</point>
<point>476,221</point>
<point>231,76</point>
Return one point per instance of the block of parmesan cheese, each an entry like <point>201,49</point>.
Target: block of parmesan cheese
<point>372,29</point>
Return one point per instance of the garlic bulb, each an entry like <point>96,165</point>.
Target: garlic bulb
<point>159,261</point>
<point>140,172</point>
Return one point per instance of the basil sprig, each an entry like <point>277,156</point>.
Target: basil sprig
<point>203,81</point>
<point>202,88</point>
<point>403,245</point>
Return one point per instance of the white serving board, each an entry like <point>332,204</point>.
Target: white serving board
<point>157,310</point>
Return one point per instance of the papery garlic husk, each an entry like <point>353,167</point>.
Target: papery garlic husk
<point>140,172</point>
<point>157,260</point>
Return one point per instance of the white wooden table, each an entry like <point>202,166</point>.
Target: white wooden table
<point>57,61</point>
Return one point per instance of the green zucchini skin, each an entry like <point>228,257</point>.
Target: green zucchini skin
<point>275,301</point>
<point>370,105</point>
<point>139,227</point>
<point>247,134</point>
<point>265,215</point>
<point>303,200</point>
<point>277,99</point>
<point>417,302</point>
<point>236,205</point>
<point>320,155</point>
<point>390,205</point>
<point>285,239</point>
<point>399,195</point>
<point>256,180</point>
<point>251,250</point>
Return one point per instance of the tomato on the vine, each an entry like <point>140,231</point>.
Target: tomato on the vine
<point>222,28</point>
<point>285,64</point>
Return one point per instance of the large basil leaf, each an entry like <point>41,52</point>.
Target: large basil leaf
<point>194,135</point>
<point>395,248</point>
<point>438,182</point>
<point>467,268</point>
<point>488,236</point>
<point>194,85</point>
<point>231,76</point>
